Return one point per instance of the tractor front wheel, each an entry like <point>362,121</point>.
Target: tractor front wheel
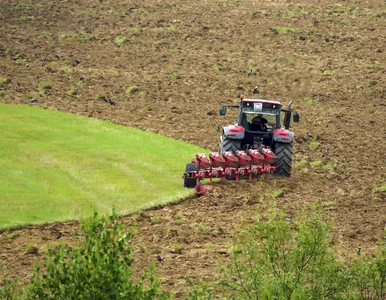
<point>283,151</point>
<point>190,182</point>
<point>229,145</point>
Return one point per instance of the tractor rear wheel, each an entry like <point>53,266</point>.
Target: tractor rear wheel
<point>229,145</point>
<point>190,182</point>
<point>283,151</point>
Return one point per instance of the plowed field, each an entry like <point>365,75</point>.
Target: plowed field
<point>185,59</point>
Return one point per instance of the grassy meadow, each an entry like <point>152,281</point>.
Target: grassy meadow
<point>57,166</point>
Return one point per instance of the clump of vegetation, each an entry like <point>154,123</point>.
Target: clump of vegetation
<point>369,83</point>
<point>2,94</point>
<point>100,268</point>
<point>45,85</point>
<point>219,67</point>
<point>338,10</point>
<point>139,29</point>
<point>99,97</point>
<point>328,164</point>
<point>298,10</point>
<point>301,164</point>
<point>64,69</point>
<point>314,145</point>
<point>308,100</point>
<point>131,90</point>
<point>4,80</point>
<point>179,221</point>
<point>344,22</point>
<point>120,40</point>
<point>381,189</point>
<point>282,258</point>
<point>72,92</point>
<point>255,12</point>
<point>281,29</point>
<point>174,76</point>
<point>156,220</point>
<point>316,163</point>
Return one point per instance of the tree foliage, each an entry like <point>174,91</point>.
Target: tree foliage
<point>98,269</point>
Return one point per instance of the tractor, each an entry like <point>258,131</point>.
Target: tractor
<point>257,144</point>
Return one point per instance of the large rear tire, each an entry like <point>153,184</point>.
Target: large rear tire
<point>190,182</point>
<point>229,145</point>
<point>284,153</point>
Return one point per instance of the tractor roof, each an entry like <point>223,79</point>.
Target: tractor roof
<point>262,101</point>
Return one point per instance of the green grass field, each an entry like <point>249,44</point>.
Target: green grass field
<point>57,166</point>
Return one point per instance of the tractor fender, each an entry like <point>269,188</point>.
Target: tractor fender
<point>234,132</point>
<point>283,135</point>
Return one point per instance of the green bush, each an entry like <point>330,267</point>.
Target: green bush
<point>131,90</point>
<point>120,40</point>
<point>100,268</point>
<point>8,287</point>
<point>45,85</point>
<point>279,259</point>
<point>368,276</point>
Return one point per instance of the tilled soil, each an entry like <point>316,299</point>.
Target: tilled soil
<point>186,58</point>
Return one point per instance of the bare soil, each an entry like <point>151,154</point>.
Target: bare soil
<point>186,58</point>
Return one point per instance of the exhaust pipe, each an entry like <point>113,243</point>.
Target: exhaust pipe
<point>287,117</point>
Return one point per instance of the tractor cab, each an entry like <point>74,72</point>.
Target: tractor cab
<point>258,125</point>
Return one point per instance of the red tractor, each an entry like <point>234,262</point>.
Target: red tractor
<point>256,145</point>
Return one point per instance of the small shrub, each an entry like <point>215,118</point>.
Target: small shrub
<point>2,94</point>
<point>99,97</point>
<point>328,164</point>
<point>281,29</point>
<point>210,246</point>
<point>338,10</point>
<point>140,29</point>
<point>368,276</point>
<point>316,163</point>
<point>100,268</point>
<point>298,10</point>
<point>120,40</point>
<point>9,288</point>
<point>369,83</point>
<point>179,221</point>
<point>45,85</point>
<point>276,259</point>
<point>175,49</point>
<point>4,80</point>
<point>176,248</point>
<point>371,66</point>
<point>277,193</point>
<point>344,22</point>
<point>131,90</point>
<point>314,145</point>
<point>301,164</point>
<point>64,69</point>
<point>255,12</point>
<point>156,220</point>
<point>174,76</point>
<point>219,67</point>
<point>381,189</point>
<point>10,236</point>
<point>72,92</point>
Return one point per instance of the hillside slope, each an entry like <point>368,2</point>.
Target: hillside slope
<point>169,65</point>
